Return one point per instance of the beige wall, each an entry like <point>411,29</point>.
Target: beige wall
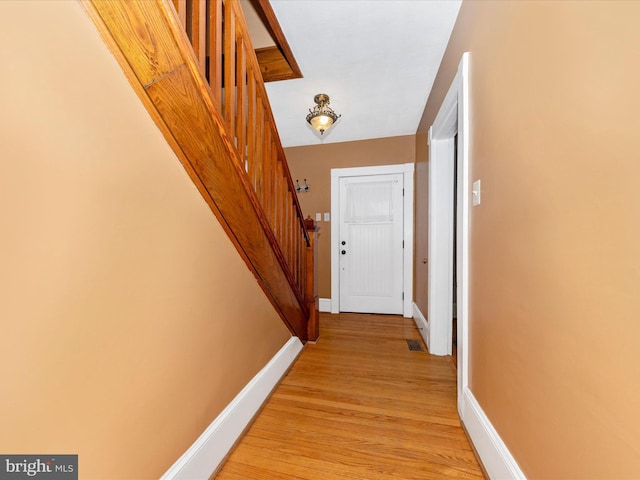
<point>127,319</point>
<point>315,163</point>
<point>555,263</point>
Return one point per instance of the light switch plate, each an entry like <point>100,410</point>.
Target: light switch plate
<point>475,193</point>
<point>327,217</point>
<point>318,217</point>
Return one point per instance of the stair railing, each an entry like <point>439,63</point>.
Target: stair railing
<point>193,66</point>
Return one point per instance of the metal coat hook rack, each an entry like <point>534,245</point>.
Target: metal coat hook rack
<point>302,188</point>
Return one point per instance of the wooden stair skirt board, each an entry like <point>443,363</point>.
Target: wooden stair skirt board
<point>208,452</point>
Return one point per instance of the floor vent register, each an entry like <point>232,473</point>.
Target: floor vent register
<point>414,345</point>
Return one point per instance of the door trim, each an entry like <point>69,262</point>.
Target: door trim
<point>407,170</point>
<point>453,117</point>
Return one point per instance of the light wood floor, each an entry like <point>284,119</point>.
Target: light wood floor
<point>359,405</point>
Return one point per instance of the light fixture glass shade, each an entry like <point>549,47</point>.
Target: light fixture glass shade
<point>321,117</point>
<point>321,122</point>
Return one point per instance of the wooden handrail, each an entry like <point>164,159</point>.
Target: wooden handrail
<point>192,64</point>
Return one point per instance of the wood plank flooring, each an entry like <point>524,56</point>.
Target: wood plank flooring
<point>359,405</point>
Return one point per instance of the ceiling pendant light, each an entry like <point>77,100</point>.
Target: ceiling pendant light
<point>321,117</point>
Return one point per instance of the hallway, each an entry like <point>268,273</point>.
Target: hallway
<point>359,405</point>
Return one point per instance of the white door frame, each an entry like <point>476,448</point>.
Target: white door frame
<point>452,118</point>
<point>407,170</point>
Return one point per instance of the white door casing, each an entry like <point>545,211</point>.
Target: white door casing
<point>452,118</point>
<point>371,236</point>
<point>406,170</point>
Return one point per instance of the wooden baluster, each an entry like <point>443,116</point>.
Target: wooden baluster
<point>295,248</point>
<point>302,253</point>
<point>276,196</point>
<point>215,28</point>
<point>229,66</point>
<point>296,239</point>
<point>275,183</point>
<point>259,161</point>
<point>301,261</point>
<point>284,212</point>
<point>286,224</point>
<point>198,31</point>
<point>291,230</point>
<point>267,176</point>
<point>303,267</point>
<point>279,202</point>
<point>286,221</point>
<point>282,207</point>
<point>300,257</point>
<point>273,186</point>
<point>252,127</point>
<point>310,294</point>
<point>181,10</point>
<point>273,174</point>
<point>241,92</point>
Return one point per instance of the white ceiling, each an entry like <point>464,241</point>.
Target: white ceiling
<point>376,59</point>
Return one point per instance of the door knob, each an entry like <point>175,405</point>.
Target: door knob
<point>343,242</point>
<point>344,251</point>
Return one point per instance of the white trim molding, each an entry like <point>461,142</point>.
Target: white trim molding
<point>440,246</point>
<point>407,169</point>
<point>464,200</point>
<point>324,304</point>
<point>408,239</point>
<point>214,444</point>
<point>495,456</point>
<point>452,118</point>
<point>422,324</point>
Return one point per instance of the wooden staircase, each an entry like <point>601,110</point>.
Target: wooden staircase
<point>192,64</point>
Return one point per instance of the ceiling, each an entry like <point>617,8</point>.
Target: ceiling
<point>376,59</point>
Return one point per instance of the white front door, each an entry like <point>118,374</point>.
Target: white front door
<point>371,244</point>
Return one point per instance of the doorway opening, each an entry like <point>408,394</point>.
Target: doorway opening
<point>356,231</point>
<point>449,203</point>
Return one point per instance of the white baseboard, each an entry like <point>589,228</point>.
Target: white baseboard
<point>422,324</point>
<point>325,305</point>
<point>210,449</point>
<point>495,456</point>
